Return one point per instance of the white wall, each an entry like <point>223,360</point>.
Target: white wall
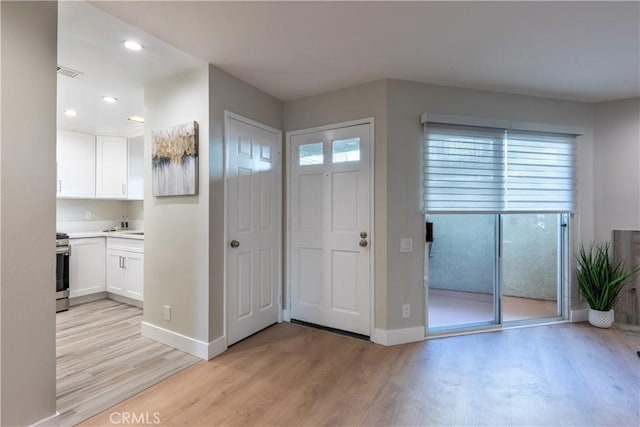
<point>71,214</point>
<point>27,212</point>
<point>176,269</point>
<point>617,166</point>
<point>135,208</point>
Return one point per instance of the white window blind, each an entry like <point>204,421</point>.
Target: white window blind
<point>482,169</point>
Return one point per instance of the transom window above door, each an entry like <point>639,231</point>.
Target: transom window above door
<point>346,150</point>
<point>342,151</point>
<point>311,154</point>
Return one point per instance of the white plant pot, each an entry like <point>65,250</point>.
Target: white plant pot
<point>601,319</point>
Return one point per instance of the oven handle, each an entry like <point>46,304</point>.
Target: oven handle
<point>64,250</point>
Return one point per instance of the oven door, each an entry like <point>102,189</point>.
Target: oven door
<point>62,271</point>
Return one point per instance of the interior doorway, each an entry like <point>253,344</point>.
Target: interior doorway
<point>331,217</point>
<point>253,188</point>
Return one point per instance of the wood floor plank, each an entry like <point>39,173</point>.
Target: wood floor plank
<point>102,359</point>
<point>555,375</point>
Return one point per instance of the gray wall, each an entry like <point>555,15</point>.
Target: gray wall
<point>396,106</point>
<point>227,93</point>
<point>358,102</point>
<point>176,268</point>
<point>27,212</point>
<point>617,171</point>
<point>407,100</point>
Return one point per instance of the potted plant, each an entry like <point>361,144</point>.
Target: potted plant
<point>600,280</point>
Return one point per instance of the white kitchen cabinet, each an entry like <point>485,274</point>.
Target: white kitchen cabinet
<point>75,155</point>
<point>136,168</point>
<point>86,266</point>
<point>125,267</point>
<point>111,167</point>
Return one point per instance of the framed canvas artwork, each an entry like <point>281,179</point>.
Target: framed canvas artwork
<point>174,155</point>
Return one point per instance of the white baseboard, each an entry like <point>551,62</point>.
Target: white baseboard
<point>184,343</point>
<point>398,336</point>
<point>286,315</point>
<point>52,421</point>
<point>217,346</point>
<point>579,315</point>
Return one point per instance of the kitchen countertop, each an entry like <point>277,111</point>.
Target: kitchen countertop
<point>127,234</point>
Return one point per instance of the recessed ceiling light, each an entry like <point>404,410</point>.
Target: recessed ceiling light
<point>70,113</point>
<point>137,119</point>
<point>110,99</point>
<point>133,45</point>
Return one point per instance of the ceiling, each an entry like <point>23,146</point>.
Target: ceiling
<point>583,51</point>
<point>91,41</point>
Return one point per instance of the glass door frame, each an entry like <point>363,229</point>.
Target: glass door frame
<point>481,325</point>
<point>564,236</point>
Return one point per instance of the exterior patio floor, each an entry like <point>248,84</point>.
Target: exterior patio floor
<point>454,308</point>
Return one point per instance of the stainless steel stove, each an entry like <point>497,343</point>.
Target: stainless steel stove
<point>63,252</point>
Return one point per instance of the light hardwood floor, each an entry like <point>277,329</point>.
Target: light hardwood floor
<point>291,375</point>
<point>102,359</point>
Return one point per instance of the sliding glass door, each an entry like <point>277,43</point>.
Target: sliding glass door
<point>462,271</point>
<point>496,199</point>
<point>531,266</point>
<point>490,269</point>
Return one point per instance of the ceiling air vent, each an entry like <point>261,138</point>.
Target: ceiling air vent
<point>68,72</point>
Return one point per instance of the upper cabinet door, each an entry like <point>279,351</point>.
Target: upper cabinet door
<point>136,168</point>
<point>111,167</point>
<point>76,153</point>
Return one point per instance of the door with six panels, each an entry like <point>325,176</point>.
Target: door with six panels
<point>253,182</point>
<point>330,235</point>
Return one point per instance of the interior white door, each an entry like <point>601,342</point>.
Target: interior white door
<point>330,228</point>
<point>253,183</point>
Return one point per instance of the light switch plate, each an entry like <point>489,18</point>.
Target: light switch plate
<point>406,245</point>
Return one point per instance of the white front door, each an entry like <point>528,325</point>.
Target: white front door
<point>253,184</point>
<point>331,228</point>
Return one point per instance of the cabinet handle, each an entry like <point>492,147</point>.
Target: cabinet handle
<point>124,189</point>
<point>124,262</point>
<point>59,186</point>
<point>119,262</point>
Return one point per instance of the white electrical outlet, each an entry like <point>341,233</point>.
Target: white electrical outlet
<point>167,312</point>
<point>406,311</point>
<point>88,215</point>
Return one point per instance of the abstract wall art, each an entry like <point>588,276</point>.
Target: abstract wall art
<point>174,156</point>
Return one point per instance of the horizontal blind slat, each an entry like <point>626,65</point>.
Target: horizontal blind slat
<point>477,169</point>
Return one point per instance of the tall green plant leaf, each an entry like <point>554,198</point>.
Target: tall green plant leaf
<point>601,278</point>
